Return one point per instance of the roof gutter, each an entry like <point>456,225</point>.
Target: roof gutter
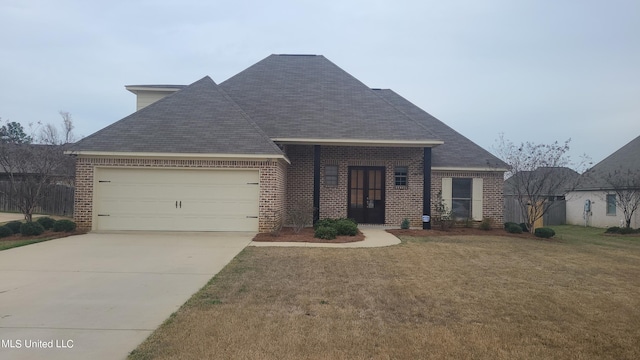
<point>454,168</point>
<point>359,142</point>
<point>114,154</point>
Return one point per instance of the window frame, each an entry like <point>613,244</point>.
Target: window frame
<point>399,177</point>
<point>609,204</point>
<point>468,200</point>
<point>331,180</point>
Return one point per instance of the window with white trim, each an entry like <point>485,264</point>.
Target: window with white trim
<point>611,204</point>
<point>401,174</point>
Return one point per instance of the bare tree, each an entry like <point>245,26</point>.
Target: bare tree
<point>625,184</point>
<point>30,168</point>
<point>537,171</point>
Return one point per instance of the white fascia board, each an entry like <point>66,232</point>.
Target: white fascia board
<point>113,154</point>
<point>359,142</point>
<point>454,168</point>
<point>135,89</point>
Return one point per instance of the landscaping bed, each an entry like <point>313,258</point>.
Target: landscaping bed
<point>305,235</point>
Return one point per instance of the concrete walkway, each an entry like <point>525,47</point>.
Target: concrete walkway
<point>373,237</point>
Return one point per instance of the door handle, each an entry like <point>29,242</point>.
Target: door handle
<point>176,204</point>
<point>181,204</point>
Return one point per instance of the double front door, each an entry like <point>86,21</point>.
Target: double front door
<point>366,194</point>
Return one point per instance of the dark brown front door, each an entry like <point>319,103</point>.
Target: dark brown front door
<point>366,194</point>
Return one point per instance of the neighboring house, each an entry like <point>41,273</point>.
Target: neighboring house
<point>596,190</point>
<point>290,129</point>
<point>549,183</point>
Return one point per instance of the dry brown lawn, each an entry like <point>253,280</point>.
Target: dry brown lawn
<point>457,297</point>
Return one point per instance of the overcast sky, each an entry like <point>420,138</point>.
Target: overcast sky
<point>535,70</point>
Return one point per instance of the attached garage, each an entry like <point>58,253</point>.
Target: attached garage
<point>176,199</point>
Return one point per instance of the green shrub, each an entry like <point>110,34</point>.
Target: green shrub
<point>325,222</point>
<point>507,224</point>
<point>14,226</point>
<point>325,232</point>
<point>514,229</point>
<point>346,227</point>
<point>405,224</point>
<point>626,230</point>
<point>486,224</point>
<point>46,222</point>
<point>31,228</point>
<point>612,230</point>
<point>5,231</point>
<point>524,227</point>
<point>64,225</point>
<point>544,232</point>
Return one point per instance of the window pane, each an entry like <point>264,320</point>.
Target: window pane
<point>461,209</point>
<point>611,204</point>
<point>461,188</point>
<point>401,175</point>
<point>331,175</point>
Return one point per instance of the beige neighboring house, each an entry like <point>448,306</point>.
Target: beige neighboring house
<point>593,203</point>
<point>290,129</point>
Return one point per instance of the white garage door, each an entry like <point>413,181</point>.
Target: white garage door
<point>176,199</point>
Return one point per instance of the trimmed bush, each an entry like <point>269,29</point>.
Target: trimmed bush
<point>524,228</point>
<point>626,230</point>
<point>325,232</point>
<point>14,226</point>
<point>46,222</point>
<point>544,232</point>
<point>5,231</point>
<point>64,225</point>
<point>612,230</point>
<point>346,227</point>
<point>507,224</point>
<point>405,224</point>
<point>31,228</point>
<point>514,228</point>
<point>325,222</point>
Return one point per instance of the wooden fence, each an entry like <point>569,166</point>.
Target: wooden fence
<point>57,200</point>
<point>556,215</point>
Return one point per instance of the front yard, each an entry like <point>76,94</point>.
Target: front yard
<point>494,297</point>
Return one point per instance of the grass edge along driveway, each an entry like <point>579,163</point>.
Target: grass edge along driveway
<point>576,296</point>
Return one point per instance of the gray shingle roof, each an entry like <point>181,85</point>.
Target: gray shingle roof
<point>551,181</point>
<point>457,150</point>
<point>199,119</point>
<point>293,96</point>
<point>624,161</point>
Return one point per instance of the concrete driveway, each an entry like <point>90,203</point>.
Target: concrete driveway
<point>99,295</point>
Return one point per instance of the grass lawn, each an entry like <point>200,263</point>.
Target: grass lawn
<point>491,297</point>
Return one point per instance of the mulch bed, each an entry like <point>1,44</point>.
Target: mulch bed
<point>305,235</point>
<point>49,234</point>
<point>457,231</point>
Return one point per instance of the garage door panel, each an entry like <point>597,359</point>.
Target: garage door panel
<point>207,200</point>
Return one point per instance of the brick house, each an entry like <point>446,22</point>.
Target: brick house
<point>289,130</point>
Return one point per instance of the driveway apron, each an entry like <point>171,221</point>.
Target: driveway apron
<point>99,295</point>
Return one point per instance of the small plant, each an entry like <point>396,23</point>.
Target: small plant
<point>64,225</point>
<point>514,229</point>
<point>276,227</point>
<point>46,222</point>
<point>626,230</point>
<point>508,223</point>
<point>300,215</point>
<point>544,232</point>
<point>5,231</point>
<point>405,224</point>
<point>14,226</point>
<point>486,224</point>
<point>325,232</point>
<point>31,228</point>
<point>445,216</point>
<point>346,227</point>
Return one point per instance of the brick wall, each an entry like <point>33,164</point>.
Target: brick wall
<point>272,183</point>
<point>401,202</point>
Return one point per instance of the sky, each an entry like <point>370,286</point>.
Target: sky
<point>533,70</point>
